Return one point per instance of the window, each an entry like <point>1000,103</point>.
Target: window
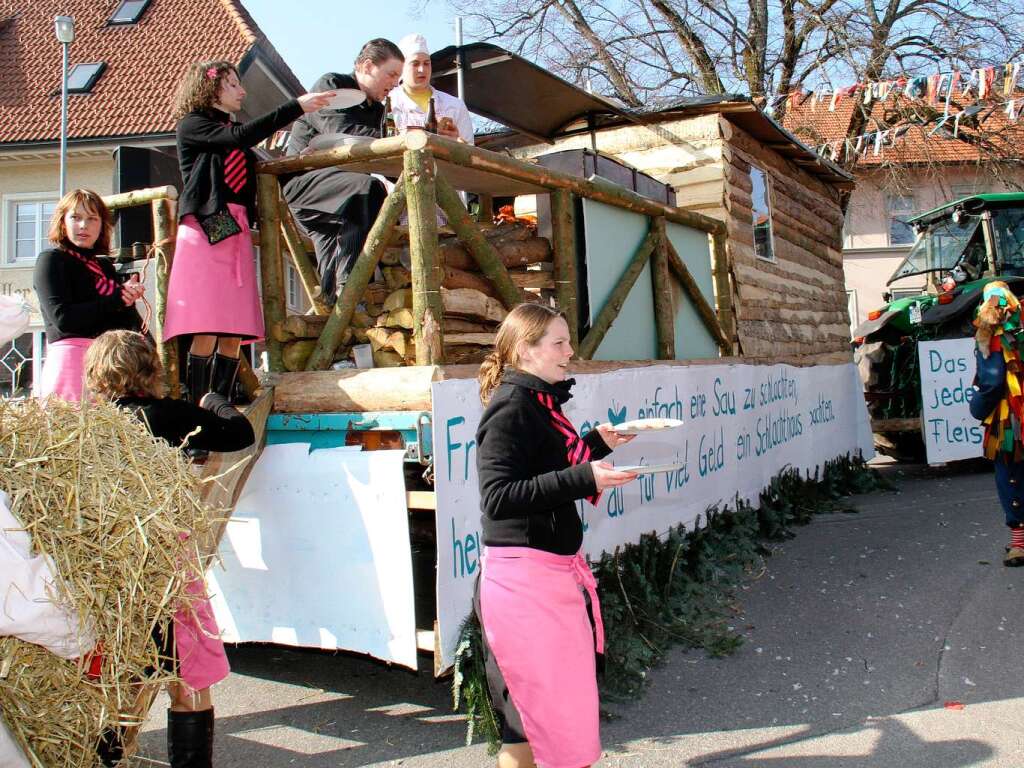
<point>293,300</point>
<point>83,77</point>
<point>762,221</point>
<point>960,191</point>
<point>17,365</point>
<point>129,11</point>
<point>900,208</point>
<point>26,220</point>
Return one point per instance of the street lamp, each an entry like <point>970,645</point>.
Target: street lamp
<point>65,29</point>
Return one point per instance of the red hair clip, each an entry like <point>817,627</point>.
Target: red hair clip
<point>212,73</point>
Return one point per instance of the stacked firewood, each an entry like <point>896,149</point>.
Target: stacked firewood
<point>472,310</point>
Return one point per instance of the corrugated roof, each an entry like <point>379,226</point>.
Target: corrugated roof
<point>145,61</point>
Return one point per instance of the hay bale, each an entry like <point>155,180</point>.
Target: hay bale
<point>118,512</point>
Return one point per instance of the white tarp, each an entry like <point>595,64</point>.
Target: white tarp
<point>317,554</point>
<point>947,376</point>
<point>744,424</point>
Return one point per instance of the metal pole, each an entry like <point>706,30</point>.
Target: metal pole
<point>64,123</point>
<point>461,86</point>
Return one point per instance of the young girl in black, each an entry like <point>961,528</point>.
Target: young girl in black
<point>123,367</point>
<point>212,291</point>
<point>79,293</point>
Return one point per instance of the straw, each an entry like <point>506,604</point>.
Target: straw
<point>118,512</point>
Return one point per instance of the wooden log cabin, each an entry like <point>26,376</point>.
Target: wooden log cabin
<point>779,202</point>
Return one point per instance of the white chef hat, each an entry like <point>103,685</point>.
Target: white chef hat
<point>412,44</point>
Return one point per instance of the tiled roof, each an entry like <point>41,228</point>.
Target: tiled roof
<point>145,61</point>
<point>816,125</point>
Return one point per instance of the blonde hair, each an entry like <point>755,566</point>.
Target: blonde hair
<point>526,323</point>
<point>123,364</point>
<point>197,90</point>
<point>93,203</point>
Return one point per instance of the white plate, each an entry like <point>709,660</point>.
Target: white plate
<point>640,426</point>
<point>650,469</point>
<point>345,98</point>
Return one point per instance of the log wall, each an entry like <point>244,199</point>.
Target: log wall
<point>795,305</point>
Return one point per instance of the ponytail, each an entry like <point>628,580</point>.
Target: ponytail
<point>489,376</point>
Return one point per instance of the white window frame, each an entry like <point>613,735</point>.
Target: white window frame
<point>293,290</point>
<point>7,226</point>
<point>768,194</point>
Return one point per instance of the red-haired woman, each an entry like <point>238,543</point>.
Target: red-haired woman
<point>212,292</point>
<point>80,295</point>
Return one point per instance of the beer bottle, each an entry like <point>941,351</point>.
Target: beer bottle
<point>389,119</point>
<point>431,124</point>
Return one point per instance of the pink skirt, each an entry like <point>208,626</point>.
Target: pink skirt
<point>63,373</point>
<point>535,620</point>
<point>197,644</point>
<point>212,288</point>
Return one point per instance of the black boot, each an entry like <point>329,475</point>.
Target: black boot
<point>225,374</point>
<point>197,376</point>
<point>190,739</point>
<point>111,747</point>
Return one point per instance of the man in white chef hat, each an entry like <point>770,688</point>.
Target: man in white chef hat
<point>410,101</point>
<point>26,581</point>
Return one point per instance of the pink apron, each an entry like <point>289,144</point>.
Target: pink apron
<point>200,651</point>
<point>212,288</point>
<point>535,620</point>
<point>64,369</point>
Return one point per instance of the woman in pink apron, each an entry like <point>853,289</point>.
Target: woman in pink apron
<point>80,294</point>
<point>212,292</point>
<point>535,584</point>
<point>123,367</point>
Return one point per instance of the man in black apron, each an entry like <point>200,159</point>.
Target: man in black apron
<point>336,208</point>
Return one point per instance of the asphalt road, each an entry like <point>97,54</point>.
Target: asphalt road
<point>887,638</point>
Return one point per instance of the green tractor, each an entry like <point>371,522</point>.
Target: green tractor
<point>961,246</point>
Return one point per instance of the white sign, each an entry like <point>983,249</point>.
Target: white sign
<point>317,554</point>
<point>743,425</point>
<point>947,376</point>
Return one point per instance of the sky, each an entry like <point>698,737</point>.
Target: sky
<point>316,36</point>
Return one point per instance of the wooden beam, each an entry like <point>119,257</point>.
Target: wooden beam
<point>268,192</point>
<point>482,251</point>
<point>358,279</point>
<point>427,308</point>
<point>371,389</point>
<point>596,188</point>
<point>563,244</point>
<point>304,266</point>
<point>613,305</point>
<point>393,146</point>
<point>165,230</point>
<point>485,214</point>
<point>705,310</point>
<point>723,291</point>
<point>664,313</point>
<point>140,197</point>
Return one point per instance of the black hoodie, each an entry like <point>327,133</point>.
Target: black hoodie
<point>528,488</point>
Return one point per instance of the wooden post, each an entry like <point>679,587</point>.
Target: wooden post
<point>271,266</point>
<point>355,286</point>
<point>618,296</point>
<point>482,251</point>
<point>139,197</point>
<point>165,230</point>
<point>563,245</point>
<point>485,214</point>
<point>707,314</point>
<point>304,266</point>
<point>723,290</point>
<point>427,309</point>
<point>664,313</point>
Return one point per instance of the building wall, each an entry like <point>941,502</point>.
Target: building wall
<point>794,306</point>
<point>19,177</point>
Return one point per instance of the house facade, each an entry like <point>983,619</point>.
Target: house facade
<point>923,168</point>
<point>124,67</point>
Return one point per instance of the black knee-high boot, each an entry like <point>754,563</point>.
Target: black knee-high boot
<point>190,739</point>
<point>225,374</point>
<point>197,376</point>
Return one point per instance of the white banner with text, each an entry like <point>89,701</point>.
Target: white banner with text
<point>743,425</point>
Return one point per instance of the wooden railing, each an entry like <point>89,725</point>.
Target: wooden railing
<point>429,169</point>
